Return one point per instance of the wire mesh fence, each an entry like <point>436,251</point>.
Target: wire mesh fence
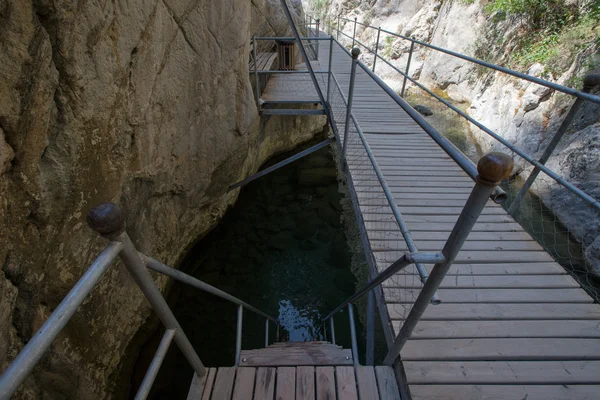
<point>557,217</point>
<point>384,234</point>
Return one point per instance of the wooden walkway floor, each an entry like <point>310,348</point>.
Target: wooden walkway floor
<point>301,383</point>
<point>512,323</point>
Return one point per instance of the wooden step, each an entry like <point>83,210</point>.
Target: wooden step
<point>297,353</point>
<point>300,383</point>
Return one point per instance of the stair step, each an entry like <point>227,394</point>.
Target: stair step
<point>297,353</point>
<point>303,344</point>
<point>283,111</point>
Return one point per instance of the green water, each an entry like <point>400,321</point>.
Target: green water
<point>283,249</point>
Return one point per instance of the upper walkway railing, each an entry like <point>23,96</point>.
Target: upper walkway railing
<point>538,210</point>
<point>109,221</point>
<point>539,165</point>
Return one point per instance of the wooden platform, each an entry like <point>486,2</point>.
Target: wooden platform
<point>304,382</point>
<point>512,324</point>
<point>297,353</point>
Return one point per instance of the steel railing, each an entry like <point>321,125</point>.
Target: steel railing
<point>490,171</point>
<point>109,221</point>
<point>539,165</point>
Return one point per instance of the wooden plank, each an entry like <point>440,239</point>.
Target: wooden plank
<point>265,383</point>
<point>469,256</point>
<point>506,311</point>
<point>504,392</point>
<point>386,382</point>
<point>367,385</point>
<point>504,329</point>
<point>244,384</point>
<point>443,236</point>
<point>224,383</point>
<point>479,295</point>
<point>210,381</point>
<point>490,281</point>
<point>305,383</point>
<point>526,349</point>
<point>443,227</point>
<point>436,211</point>
<point>303,355</point>
<point>197,387</point>
<point>499,269</point>
<point>430,245</point>
<point>325,383</point>
<point>286,383</point>
<point>346,383</point>
<point>503,372</point>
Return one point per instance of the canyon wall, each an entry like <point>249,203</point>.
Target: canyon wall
<point>525,114</point>
<point>146,103</point>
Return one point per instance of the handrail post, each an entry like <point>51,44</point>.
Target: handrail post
<point>492,168</point>
<point>376,48</point>
<point>108,220</point>
<point>353,334</point>
<point>238,335</point>
<point>256,80</point>
<point>355,54</point>
<point>266,332</point>
<point>332,328</point>
<point>329,68</point>
<point>412,46</point>
<point>354,32</point>
<point>338,29</point>
<point>370,328</point>
<point>277,333</point>
<point>588,83</point>
<point>317,35</point>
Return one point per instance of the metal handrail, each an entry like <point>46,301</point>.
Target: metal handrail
<point>291,38</point>
<point>30,355</point>
<point>182,277</point>
<point>466,164</point>
<point>492,169</point>
<point>388,193</point>
<point>469,166</point>
<point>530,78</point>
<point>108,220</point>
<point>398,265</point>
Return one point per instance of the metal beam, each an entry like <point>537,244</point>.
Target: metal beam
<point>291,111</point>
<point>282,163</point>
<point>295,33</point>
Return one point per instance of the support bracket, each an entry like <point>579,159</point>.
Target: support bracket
<point>280,164</point>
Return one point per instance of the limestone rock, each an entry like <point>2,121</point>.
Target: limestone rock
<point>145,103</point>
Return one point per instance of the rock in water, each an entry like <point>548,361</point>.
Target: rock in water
<point>423,110</point>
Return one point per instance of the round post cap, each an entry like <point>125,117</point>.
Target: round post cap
<point>355,52</point>
<point>590,81</point>
<point>494,167</point>
<point>108,219</point>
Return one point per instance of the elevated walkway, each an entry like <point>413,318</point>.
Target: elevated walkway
<point>506,321</point>
<point>512,324</point>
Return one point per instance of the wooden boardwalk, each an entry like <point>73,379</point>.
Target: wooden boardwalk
<point>512,323</point>
<point>301,383</point>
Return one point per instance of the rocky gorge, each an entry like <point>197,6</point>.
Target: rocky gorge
<point>144,103</point>
<point>524,113</point>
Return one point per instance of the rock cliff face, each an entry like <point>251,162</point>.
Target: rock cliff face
<point>142,102</point>
<point>524,113</point>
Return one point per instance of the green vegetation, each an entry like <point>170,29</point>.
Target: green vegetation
<point>553,33</point>
<point>368,16</point>
<point>387,48</point>
<point>318,8</point>
<point>539,14</point>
